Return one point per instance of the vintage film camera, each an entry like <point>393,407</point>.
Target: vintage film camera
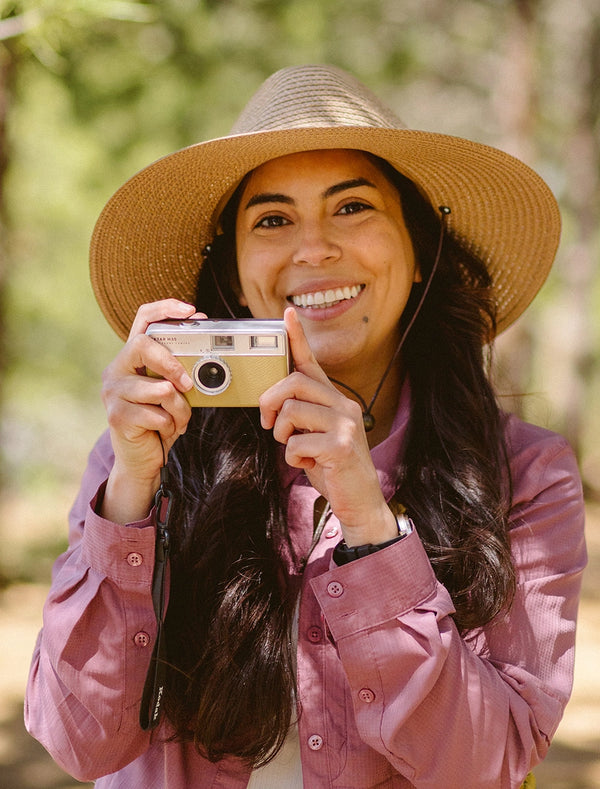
<point>231,362</point>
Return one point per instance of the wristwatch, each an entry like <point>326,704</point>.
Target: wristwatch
<point>342,554</point>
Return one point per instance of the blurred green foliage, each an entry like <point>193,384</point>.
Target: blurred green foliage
<point>103,87</point>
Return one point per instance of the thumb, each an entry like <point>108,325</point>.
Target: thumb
<point>304,359</point>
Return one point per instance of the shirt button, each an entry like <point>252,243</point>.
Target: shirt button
<point>366,695</point>
<point>315,742</point>
<point>141,639</point>
<point>332,532</point>
<point>335,589</point>
<point>314,634</point>
<point>134,559</point>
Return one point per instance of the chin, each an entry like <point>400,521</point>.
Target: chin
<point>332,359</point>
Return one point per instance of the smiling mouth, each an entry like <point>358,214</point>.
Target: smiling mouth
<point>321,299</point>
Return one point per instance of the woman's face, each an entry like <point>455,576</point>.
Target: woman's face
<point>323,231</point>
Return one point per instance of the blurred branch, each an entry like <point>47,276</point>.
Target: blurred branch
<point>7,78</point>
<point>68,11</point>
<point>17,25</point>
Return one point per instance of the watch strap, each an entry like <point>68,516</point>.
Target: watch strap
<point>343,554</point>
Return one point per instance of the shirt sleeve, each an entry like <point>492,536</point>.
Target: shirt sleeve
<point>92,654</point>
<point>478,711</point>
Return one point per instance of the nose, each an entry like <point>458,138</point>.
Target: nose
<point>315,245</point>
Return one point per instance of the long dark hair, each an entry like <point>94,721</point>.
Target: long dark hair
<point>231,686</point>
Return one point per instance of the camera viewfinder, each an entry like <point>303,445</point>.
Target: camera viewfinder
<point>222,341</point>
<point>263,341</point>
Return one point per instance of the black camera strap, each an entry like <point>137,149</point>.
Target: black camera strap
<point>154,686</point>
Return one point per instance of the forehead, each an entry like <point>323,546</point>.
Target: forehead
<point>315,167</point>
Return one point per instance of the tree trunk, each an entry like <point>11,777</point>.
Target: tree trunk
<point>578,264</point>
<point>515,101</point>
<point>7,80</point>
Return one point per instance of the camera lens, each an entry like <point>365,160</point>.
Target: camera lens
<point>211,376</point>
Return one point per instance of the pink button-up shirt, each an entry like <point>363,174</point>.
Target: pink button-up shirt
<point>391,695</point>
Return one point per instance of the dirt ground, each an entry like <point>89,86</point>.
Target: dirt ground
<point>573,761</point>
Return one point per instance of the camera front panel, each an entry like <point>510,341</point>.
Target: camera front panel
<point>249,377</point>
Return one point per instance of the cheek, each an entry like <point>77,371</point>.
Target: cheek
<point>256,283</point>
<point>243,272</point>
<point>409,269</point>
<point>259,267</point>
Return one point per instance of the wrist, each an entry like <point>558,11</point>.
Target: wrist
<point>127,499</point>
<point>376,526</point>
<point>343,553</point>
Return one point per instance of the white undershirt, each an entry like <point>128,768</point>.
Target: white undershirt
<point>286,768</point>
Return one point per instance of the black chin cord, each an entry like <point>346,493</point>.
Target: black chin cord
<point>368,418</point>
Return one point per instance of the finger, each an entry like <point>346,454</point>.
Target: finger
<point>296,416</point>
<point>139,390</point>
<point>304,359</point>
<point>143,353</point>
<point>295,387</point>
<point>342,428</point>
<point>133,420</point>
<point>124,384</point>
<point>160,311</point>
<point>137,407</point>
<point>307,369</point>
<point>324,450</point>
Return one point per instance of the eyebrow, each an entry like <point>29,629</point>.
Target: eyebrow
<point>268,197</point>
<point>351,183</point>
<point>276,197</point>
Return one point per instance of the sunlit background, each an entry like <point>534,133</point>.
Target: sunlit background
<point>93,90</point>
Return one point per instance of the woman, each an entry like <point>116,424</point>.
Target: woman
<point>374,575</point>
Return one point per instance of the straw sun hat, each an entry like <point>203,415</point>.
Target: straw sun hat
<point>148,241</point>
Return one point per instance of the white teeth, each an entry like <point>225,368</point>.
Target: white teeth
<point>326,298</point>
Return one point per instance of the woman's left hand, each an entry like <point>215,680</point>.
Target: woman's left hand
<point>323,433</point>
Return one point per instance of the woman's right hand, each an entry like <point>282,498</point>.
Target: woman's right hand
<point>143,412</point>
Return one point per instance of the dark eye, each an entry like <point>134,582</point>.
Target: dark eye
<point>273,220</point>
<point>354,207</point>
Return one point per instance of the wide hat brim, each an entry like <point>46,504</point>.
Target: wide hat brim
<point>147,243</point>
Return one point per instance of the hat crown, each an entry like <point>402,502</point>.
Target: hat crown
<point>313,96</point>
